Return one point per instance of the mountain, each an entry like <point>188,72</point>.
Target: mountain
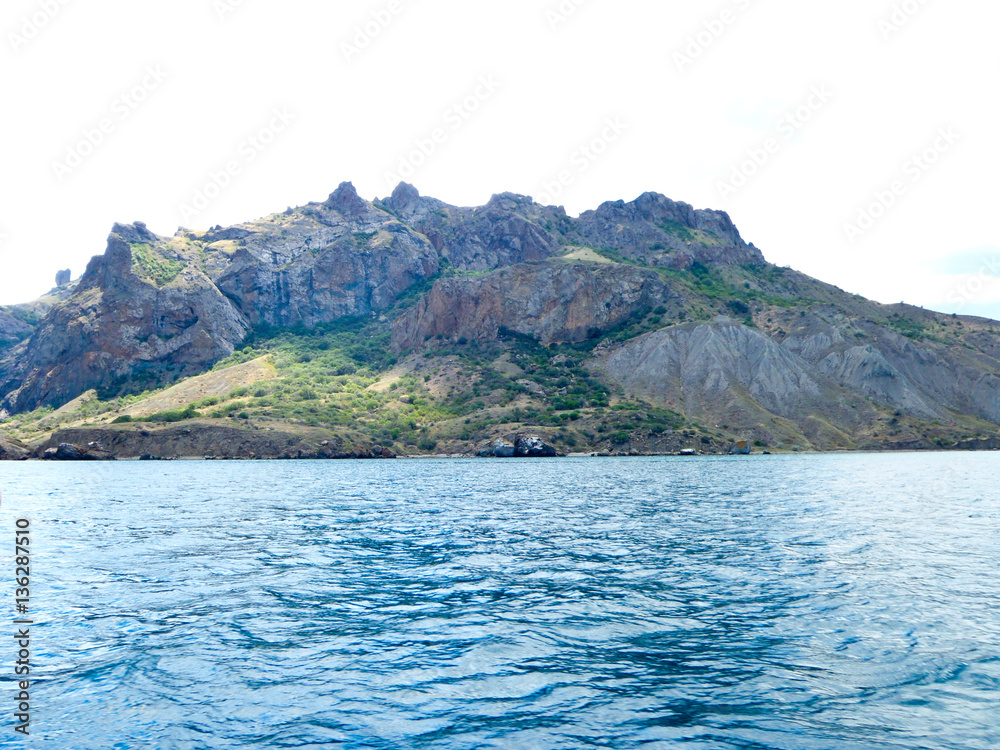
<point>417,326</point>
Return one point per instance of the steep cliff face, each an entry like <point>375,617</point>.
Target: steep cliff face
<point>327,261</point>
<point>142,310</point>
<point>555,301</point>
<point>18,322</point>
<point>13,329</point>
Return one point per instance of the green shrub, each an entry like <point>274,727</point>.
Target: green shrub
<point>174,415</point>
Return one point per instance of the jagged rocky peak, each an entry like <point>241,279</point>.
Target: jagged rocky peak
<point>135,232</point>
<point>508,202</point>
<point>657,209</point>
<point>404,196</point>
<point>407,203</point>
<point>346,201</point>
<point>658,230</point>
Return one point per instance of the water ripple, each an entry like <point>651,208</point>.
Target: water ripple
<point>827,602</point>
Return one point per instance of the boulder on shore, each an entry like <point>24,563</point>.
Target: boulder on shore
<point>74,452</point>
<point>521,446</point>
<point>742,448</point>
<point>532,446</point>
<point>503,449</point>
<point>12,450</point>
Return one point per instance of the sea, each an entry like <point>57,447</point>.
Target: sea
<point>799,602</point>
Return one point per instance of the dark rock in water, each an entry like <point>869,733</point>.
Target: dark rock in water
<point>532,446</point>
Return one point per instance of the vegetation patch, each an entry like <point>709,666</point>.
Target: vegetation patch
<point>148,263</point>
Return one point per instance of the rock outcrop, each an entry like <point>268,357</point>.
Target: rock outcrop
<point>509,229</point>
<point>532,446</point>
<point>518,446</point>
<point>13,450</point>
<point>331,260</point>
<point>660,231</point>
<point>555,301</point>
<point>498,449</point>
<point>73,452</point>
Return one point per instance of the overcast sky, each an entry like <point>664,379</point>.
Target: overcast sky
<point>855,141</point>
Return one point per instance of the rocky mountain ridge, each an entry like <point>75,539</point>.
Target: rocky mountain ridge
<point>665,307</point>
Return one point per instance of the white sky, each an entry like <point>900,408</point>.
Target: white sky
<point>886,93</point>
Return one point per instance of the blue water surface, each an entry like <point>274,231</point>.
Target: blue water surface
<point>798,602</point>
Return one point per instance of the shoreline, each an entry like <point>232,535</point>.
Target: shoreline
<point>472,456</point>
<point>247,442</point>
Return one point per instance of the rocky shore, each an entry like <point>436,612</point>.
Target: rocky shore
<point>209,441</point>
<point>191,440</point>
